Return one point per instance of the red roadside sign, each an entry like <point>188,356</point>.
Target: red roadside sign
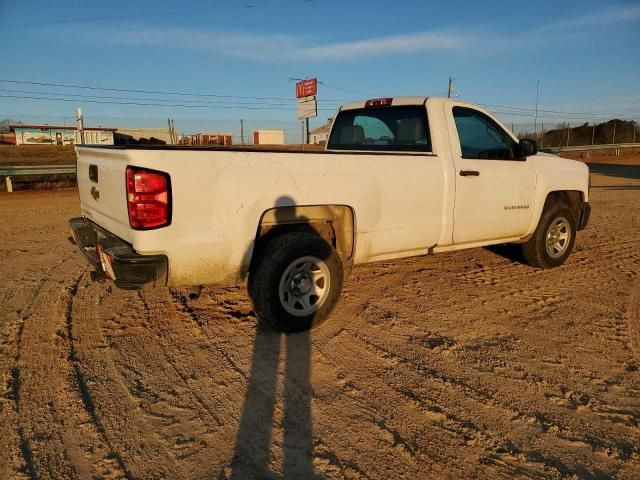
<point>307,88</point>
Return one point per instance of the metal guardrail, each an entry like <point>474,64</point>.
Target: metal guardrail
<point>17,171</point>
<point>24,170</point>
<point>582,148</point>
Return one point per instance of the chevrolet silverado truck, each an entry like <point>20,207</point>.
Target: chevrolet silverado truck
<point>398,177</point>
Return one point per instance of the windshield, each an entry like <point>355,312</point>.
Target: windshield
<point>382,129</point>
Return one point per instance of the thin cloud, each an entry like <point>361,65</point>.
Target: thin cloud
<point>609,16</point>
<point>287,47</point>
<point>397,44</point>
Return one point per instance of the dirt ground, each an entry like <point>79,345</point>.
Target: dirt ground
<point>463,365</point>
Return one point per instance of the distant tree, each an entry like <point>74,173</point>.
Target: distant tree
<point>4,124</point>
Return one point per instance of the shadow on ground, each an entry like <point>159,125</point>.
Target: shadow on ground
<point>254,438</point>
<point>616,187</point>
<point>510,251</point>
<point>616,170</point>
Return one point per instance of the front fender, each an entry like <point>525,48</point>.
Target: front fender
<point>556,174</point>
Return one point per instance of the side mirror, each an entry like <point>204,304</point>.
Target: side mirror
<point>528,147</point>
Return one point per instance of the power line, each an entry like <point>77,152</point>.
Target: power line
<point>256,105</point>
<point>102,19</point>
<point>244,6</point>
<point>554,116</point>
<point>218,9</point>
<point>141,104</point>
<point>108,97</point>
<point>524,109</point>
<point>347,91</point>
<point>154,92</point>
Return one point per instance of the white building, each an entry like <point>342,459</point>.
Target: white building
<point>320,135</point>
<point>268,137</point>
<point>60,135</point>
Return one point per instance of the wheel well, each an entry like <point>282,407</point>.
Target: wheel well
<point>335,224</point>
<point>571,198</point>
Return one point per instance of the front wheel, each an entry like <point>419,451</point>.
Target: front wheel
<point>552,241</point>
<point>296,282</point>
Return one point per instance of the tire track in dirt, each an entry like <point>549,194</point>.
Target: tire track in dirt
<point>481,389</point>
<point>10,343</point>
<point>625,265</point>
<point>633,319</point>
<point>112,465</point>
<point>29,257</point>
<point>481,404</point>
<point>12,389</point>
<point>331,456</point>
<point>58,437</point>
<point>130,434</point>
<point>226,320</point>
<point>186,395</point>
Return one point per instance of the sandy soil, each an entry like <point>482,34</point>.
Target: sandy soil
<point>465,365</point>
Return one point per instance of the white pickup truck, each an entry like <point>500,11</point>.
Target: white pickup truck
<point>399,177</point>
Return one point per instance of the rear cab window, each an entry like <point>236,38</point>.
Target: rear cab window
<point>396,129</point>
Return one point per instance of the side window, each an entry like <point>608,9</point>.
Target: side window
<point>481,137</point>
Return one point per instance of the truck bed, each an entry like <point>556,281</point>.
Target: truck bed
<point>252,148</point>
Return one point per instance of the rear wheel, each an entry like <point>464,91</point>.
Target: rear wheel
<point>552,241</point>
<point>296,282</point>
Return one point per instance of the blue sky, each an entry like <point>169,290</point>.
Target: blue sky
<point>585,54</point>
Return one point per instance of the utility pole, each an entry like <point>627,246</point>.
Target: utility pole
<point>80,124</point>
<point>451,87</point>
<point>542,136</point>
<point>593,139</point>
<point>242,131</point>
<point>614,132</point>
<point>535,121</point>
<point>568,132</point>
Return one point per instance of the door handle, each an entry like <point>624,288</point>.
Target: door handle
<point>93,173</point>
<point>469,173</point>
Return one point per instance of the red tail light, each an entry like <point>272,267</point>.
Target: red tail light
<point>378,102</point>
<point>148,198</point>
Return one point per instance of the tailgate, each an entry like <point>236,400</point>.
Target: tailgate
<point>102,186</point>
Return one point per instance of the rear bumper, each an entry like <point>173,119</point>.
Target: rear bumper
<point>585,213</point>
<point>115,259</point>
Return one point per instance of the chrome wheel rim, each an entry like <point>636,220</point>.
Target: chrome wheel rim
<point>558,237</point>
<point>304,286</point>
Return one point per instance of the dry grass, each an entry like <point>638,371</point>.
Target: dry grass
<point>626,157</point>
<point>37,154</point>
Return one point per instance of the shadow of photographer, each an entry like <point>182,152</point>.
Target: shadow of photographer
<point>252,454</point>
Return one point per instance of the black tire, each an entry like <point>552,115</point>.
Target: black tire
<point>535,250</point>
<point>265,279</point>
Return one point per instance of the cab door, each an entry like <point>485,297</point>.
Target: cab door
<point>495,186</point>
